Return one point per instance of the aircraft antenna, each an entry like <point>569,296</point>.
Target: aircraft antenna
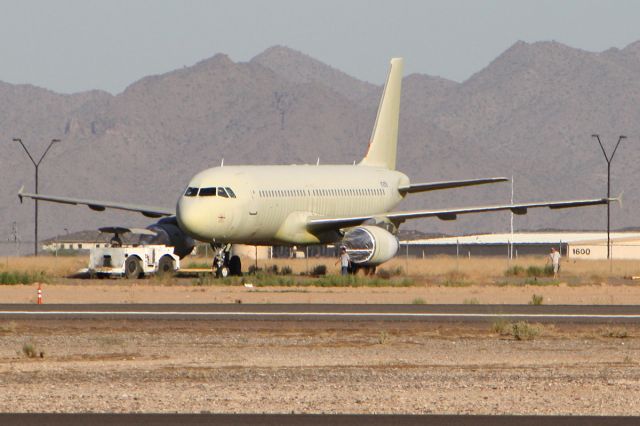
<point>222,162</point>
<point>318,162</point>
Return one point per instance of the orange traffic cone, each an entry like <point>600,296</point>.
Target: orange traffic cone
<point>39,294</point>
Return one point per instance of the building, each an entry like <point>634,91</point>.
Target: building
<point>583,245</point>
<point>83,240</point>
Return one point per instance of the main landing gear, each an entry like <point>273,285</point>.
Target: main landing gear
<point>224,263</point>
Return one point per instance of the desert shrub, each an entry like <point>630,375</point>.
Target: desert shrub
<point>319,270</point>
<point>418,301</point>
<point>515,271</point>
<point>472,301</point>
<point>273,269</point>
<point>522,330</point>
<point>29,350</point>
<point>536,299</point>
<point>9,327</point>
<point>383,273</point>
<point>618,333</point>
<point>253,269</point>
<point>383,337</point>
<point>501,327</point>
<point>456,279</point>
<point>286,270</point>
<point>537,271</point>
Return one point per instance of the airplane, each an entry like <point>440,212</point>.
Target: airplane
<point>351,205</point>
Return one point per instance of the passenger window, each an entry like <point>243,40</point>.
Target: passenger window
<point>191,192</point>
<point>230,192</point>
<point>222,193</point>
<point>208,192</point>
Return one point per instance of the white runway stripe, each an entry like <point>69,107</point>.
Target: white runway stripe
<point>321,314</point>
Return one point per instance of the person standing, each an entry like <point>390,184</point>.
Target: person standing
<point>344,260</point>
<point>554,256</point>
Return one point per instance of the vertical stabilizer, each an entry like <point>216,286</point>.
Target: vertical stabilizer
<point>384,138</point>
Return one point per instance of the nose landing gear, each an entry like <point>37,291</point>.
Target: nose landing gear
<point>224,264</point>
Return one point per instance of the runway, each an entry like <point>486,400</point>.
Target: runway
<point>334,312</point>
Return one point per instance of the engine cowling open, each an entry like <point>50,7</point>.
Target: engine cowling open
<point>370,245</point>
<point>169,233</point>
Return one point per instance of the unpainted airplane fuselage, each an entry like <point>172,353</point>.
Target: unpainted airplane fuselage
<point>272,204</point>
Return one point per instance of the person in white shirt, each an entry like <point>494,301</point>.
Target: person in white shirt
<point>554,256</point>
<point>344,261</point>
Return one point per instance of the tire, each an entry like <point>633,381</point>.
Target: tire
<point>132,268</point>
<point>166,266</point>
<point>222,272</point>
<point>235,266</point>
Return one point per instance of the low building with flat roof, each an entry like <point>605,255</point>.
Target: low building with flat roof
<point>584,245</point>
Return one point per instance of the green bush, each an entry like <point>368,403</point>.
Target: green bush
<point>319,270</point>
<point>515,271</point>
<point>273,270</point>
<point>537,271</point>
<point>418,301</point>
<point>14,277</point>
<point>253,269</point>
<point>286,270</point>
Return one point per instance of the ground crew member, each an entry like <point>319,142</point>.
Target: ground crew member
<point>344,260</point>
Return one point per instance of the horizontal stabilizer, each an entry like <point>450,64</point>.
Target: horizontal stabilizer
<point>434,186</point>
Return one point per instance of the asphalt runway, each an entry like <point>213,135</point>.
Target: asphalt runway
<point>587,314</point>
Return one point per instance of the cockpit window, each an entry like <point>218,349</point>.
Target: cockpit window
<point>191,192</point>
<point>222,193</point>
<point>230,192</point>
<point>208,192</point>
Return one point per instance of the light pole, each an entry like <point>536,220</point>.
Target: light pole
<point>36,165</point>
<point>606,157</point>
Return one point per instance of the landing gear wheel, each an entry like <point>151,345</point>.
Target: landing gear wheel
<point>132,268</point>
<point>235,266</point>
<point>166,266</point>
<point>222,272</point>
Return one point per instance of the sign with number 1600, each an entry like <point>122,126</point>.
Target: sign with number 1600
<point>579,251</point>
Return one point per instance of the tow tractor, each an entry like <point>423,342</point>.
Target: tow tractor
<point>131,260</point>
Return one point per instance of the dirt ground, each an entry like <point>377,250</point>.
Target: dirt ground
<point>184,291</point>
<point>315,367</point>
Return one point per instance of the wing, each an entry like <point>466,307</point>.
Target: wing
<point>433,186</point>
<point>322,224</point>
<point>100,205</point>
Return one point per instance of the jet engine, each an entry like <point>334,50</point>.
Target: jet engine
<point>169,233</point>
<point>370,245</point>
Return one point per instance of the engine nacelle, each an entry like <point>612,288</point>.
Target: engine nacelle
<point>169,233</point>
<point>370,245</point>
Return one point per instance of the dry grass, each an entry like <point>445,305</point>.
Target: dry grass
<point>477,270</point>
<point>49,265</point>
<point>433,270</point>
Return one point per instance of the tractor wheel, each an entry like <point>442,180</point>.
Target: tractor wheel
<point>166,266</point>
<point>132,268</point>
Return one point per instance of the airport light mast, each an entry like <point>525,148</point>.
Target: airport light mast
<point>36,165</point>
<point>606,157</point>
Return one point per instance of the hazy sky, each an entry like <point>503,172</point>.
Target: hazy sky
<point>75,45</point>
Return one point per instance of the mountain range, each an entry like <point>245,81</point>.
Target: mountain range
<point>528,114</point>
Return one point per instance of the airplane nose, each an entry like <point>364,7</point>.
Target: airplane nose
<point>203,219</point>
<point>192,218</point>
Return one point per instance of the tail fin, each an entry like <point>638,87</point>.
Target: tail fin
<point>384,138</point>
